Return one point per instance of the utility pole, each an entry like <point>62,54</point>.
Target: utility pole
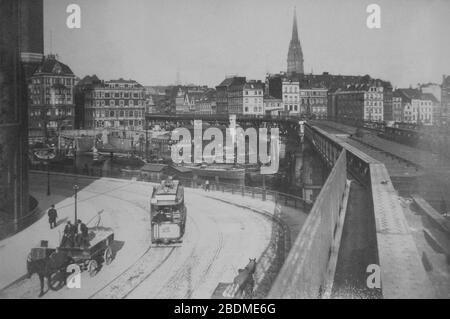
<point>75,188</point>
<point>48,174</point>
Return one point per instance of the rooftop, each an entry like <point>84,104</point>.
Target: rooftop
<point>50,65</point>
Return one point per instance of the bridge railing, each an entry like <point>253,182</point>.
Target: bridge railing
<point>224,117</point>
<point>306,270</point>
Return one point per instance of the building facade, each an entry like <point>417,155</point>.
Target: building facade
<point>206,104</point>
<point>388,107</point>
<point>116,103</point>
<point>273,105</point>
<point>229,96</point>
<point>397,108</point>
<point>445,99</point>
<point>418,108</point>
<point>429,109</point>
<point>51,96</point>
<point>360,102</point>
<point>291,96</point>
<point>83,87</point>
<point>313,102</point>
<point>253,95</point>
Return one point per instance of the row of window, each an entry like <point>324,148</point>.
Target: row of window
<point>117,94</point>
<point>305,100</point>
<point>256,109</point>
<point>53,80</point>
<point>102,103</point>
<point>122,85</point>
<point>50,101</point>
<point>256,92</point>
<point>254,100</point>
<point>51,112</point>
<point>123,123</point>
<point>122,113</point>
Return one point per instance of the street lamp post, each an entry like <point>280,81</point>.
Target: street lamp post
<point>75,188</point>
<point>48,175</point>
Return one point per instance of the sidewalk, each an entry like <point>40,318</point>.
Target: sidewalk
<point>128,220</point>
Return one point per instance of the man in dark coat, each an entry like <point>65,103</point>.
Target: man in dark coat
<point>52,215</point>
<point>82,234</point>
<point>67,240</point>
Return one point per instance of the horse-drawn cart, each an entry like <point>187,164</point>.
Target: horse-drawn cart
<point>90,258</point>
<point>53,262</point>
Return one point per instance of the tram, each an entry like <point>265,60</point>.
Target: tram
<point>167,213</point>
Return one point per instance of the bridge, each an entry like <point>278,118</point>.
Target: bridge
<point>243,119</point>
<point>325,255</point>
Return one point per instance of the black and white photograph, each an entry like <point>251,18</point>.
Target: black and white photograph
<point>224,154</point>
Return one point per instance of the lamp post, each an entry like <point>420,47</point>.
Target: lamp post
<point>75,188</point>
<point>48,174</point>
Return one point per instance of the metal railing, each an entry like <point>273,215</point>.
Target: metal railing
<point>225,117</point>
<point>245,191</point>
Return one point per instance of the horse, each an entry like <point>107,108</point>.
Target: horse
<point>244,281</point>
<point>46,267</point>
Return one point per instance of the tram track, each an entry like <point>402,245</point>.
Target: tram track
<point>129,273</point>
<point>160,268</point>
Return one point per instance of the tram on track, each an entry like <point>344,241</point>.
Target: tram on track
<point>167,213</point>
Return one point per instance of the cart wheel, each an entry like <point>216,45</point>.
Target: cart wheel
<point>92,267</point>
<point>57,280</point>
<point>108,255</point>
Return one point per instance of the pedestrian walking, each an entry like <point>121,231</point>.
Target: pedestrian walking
<point>52,216</point>
<point>207,185</point>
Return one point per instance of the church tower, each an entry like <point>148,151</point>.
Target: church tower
<point>295,54</point>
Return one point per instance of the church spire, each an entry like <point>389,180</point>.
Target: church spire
<point>295,54</point>
<point>294,27</point>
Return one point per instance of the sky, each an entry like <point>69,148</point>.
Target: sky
<point>207,40</point>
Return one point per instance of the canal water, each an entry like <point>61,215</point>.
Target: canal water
<point>301,172</point>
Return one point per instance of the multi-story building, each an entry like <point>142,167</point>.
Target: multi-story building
<point>388,107</point>
<point>313,101</point>
<point>116,103</point>
<point>435,92</point>
<point>274,85</point>
<point>291,96</point>
<point>273,105</point>
<point>361,102</point>
<point>206,105</point>
<point>429,109</point>
<point>253,98</point>
<point>51,95</point>
<point>397,107</point>
<point>418,107</point>
<point>229,96</point>
<point>81,88</point>
<point>319,82</point>
<point>445,99</point>
<point>188,98</point>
